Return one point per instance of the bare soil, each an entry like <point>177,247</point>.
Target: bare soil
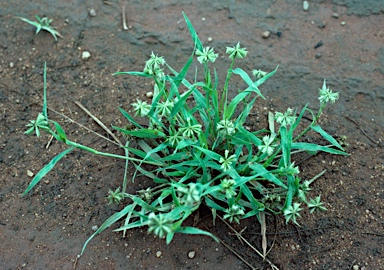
<point>47,228</point>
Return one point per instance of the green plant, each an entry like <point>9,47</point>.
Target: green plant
<point>201,152</point>
<point>42,24</point>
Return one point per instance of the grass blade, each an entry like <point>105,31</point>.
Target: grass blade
<point>45,113</point>
<point>135,73</point>
<point>111,220</point>
<point>193,230</point>
<point>180,103</point>
<point>326,136</point>
<point>130,119</point>
<point>142,133</point>
<point>311,147</point>
<point>192,31</point>
<point>266,174</point>
<point>47,168</point>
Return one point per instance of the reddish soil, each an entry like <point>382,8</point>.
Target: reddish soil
<point>47,228</point>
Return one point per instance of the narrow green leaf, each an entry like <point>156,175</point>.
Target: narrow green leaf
<point>180,103</point>
<point>129,226</point>
<point>286,140</point>
<point>199,98</point>
<point>60,131</point>
<point>244,114</point>
<point>250,136</point>
<point>209,153</point>
<point>193,230</point>
<point>298,119</point>
<point>255,203</point>
<point>266,77</point>
<point>326,136</point>
<point>183,72</point>
<point>47,168</point>
<point>291,191</point>
<point>151,152</point>
<point>251,85</point>
<point>135,73</point>
<point>111,220</point>
<point>266,174</point>
<point>129,118</point>
<point>142,133</point>
<point>169,237</point>
<point>314,147</point>
<point>213,205</point>
<point>45,112</point>
<point>192,31</point>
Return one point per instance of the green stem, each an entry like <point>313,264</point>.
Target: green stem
<point>224,98</point>
<point>93,151</point>
<point>313,122</point>
<point>207,83</point>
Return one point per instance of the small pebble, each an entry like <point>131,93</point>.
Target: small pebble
<point>318,55</point>
<point>321,24</point>
<point>209,39</point>
<point>29,173</point>
<point>355,267</point>
<point>95,228</point>
<point>158,254</point>
<point>149,94</point>
<point>85,55</point>
<point>266,34</point>
<point>92,12</point>
<point>343,23</point>
<point>191,254</point>
<point>335,15</point>
<point>11,65</point>
<point>305,5</point>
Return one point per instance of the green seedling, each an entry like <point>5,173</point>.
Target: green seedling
<point>200,151</point>
<point>43,24</point>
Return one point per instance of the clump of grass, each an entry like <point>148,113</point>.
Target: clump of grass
<point>200,152</point>
<point>43,24</point>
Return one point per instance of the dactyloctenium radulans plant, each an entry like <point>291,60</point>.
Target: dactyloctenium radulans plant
<point>200,151</point>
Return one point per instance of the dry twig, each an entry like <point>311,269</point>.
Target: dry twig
<point>123,16</point>
<point>98,122</point>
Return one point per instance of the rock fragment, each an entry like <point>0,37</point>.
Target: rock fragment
<point>92,12</point>
<point>191,254</point>
<point>85,55</point>
<point>266,34</point>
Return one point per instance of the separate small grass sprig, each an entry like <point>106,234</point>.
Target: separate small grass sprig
<point>43,24</point>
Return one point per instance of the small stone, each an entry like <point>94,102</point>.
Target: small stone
<point>209,39</point>
<point>92,12</point>
<point>29,173</point>
<point>355,267</point>
<point>85,55</point>
<point>335,15</point>
<point>158,254</point>
<point>95,228</point>
<point>46,182</point>
<point>11,65</point>
<point>266,34</point>
<point>321,24</point>
<point>318,55</point>
<point>305,5</point>
<point>343,23</point>
<point>191,254</point>
<point>149,94</point>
